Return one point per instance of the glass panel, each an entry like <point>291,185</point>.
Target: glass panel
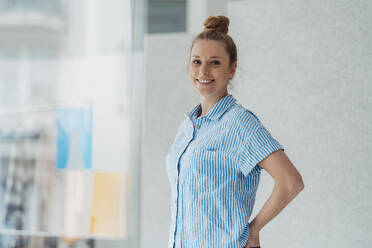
<point>68,101</point>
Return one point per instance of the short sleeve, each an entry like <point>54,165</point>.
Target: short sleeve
<point>259,145</point>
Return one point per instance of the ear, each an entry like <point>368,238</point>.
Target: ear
<point>233,69</point>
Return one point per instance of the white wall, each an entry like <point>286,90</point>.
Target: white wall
<point>199,10</point>
<point>305,69</point>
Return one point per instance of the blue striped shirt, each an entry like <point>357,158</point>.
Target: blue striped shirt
<point>213,174</point>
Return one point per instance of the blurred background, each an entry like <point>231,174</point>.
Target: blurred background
<point>92,93</point>
<point>69,122</point>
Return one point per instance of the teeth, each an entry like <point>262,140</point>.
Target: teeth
<point>204,81</point>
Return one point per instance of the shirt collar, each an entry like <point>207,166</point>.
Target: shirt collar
<point>216,111</point>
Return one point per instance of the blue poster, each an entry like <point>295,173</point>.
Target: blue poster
<point>74,138</point>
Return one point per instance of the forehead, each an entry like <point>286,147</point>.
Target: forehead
<point>209,48</point>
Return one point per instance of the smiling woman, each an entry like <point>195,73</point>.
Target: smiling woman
<point>209,69</point>
<point>220,149</point>
<point>213,60</point>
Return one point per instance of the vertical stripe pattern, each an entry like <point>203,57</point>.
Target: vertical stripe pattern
<point>213,173</point>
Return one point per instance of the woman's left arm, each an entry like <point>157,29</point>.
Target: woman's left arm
<point>288,183</point>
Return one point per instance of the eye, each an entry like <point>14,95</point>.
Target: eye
<point>196,61</point>
<point>215,62</point>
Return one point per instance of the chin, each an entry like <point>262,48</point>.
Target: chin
<point>206,93</point>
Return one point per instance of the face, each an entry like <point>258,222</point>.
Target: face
<point>209,68</point>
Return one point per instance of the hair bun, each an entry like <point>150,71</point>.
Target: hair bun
<point>218,23</point>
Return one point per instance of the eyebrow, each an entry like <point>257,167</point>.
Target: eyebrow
<point>213,57</point>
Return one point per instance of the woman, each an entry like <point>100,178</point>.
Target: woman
<point>219,151</point>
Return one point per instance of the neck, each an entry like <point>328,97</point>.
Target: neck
<point>208,102</point>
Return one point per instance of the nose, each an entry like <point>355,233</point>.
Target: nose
<point>203,70</point>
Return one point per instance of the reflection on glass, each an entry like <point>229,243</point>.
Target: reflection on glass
<point>40,196</point>
<point>51,6</point>
<point>109,211</point>
<point>66,170</point>
<point>74,138</point>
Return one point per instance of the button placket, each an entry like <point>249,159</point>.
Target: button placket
<point>198,123</point>
<point>188,138</point>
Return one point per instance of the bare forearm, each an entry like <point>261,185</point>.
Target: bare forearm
<point>279,198</point>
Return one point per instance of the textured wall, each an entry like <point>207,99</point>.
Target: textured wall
<point>306,71</point>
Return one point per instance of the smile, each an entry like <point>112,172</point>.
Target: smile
<point>205,81</point>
